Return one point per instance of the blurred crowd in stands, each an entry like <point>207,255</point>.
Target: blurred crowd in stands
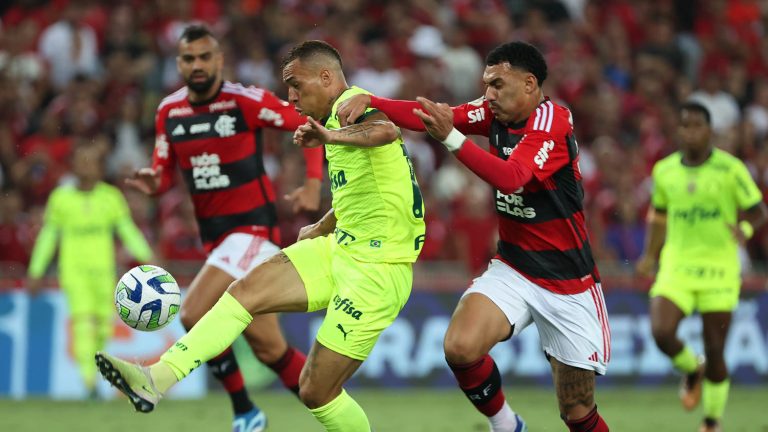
<point>73,71</point>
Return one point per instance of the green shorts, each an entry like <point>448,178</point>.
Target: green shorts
<point>688,295</point>
<point>362,299</point>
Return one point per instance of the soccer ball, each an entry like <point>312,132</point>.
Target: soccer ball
<point>147,298</point>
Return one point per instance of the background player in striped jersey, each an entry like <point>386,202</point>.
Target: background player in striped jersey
<point>694,222</point>
<point>544,271</point>
<point>356,262</point>
<point>211,129</point>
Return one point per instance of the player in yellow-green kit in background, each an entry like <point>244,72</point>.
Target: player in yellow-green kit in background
<point>704,203</point>
<point>84,217</point>
<point>356,262</point>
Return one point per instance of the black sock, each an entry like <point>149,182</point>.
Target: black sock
<point>225,369</point>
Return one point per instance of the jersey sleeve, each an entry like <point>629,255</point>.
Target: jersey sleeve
<point>261,108</point>
<point>472,118</point>
<point>45,244</point>
<point>659,199</point>
<point>747,193</point>
<point>163,156</point>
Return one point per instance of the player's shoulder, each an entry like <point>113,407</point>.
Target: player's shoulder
<point>551,117</point>
<point>63,189</point>
<point>722,160</point>
<point>246,94</point>
<point>173,100</point>
<point>107,189</point>
<point>668,164</point>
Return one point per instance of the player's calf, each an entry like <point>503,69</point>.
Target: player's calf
<point>576,396</point>
<point>481,383</point>
<point>591,422</point>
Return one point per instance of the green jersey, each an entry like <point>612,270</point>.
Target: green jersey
<point>701,204</point>
<point>86,222</point>
<point>376,199</point>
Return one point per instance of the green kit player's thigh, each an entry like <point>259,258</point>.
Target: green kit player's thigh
<point>362,299</point>
<point>90,292</point>
<point>676,292</point>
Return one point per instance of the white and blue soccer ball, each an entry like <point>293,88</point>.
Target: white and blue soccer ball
<point>147,298</point>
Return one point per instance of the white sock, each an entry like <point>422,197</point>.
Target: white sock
<point>504,420</point>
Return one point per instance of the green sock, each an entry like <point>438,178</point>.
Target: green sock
<point>84,347</point>
<point>714,396</point>
<point>685,361</point>
<point>215,331</point>
<point>342,414</point>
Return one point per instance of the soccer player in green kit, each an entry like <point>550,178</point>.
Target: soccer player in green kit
<point>356,262</point>
<point>84,217</point>
<point>704,203</point>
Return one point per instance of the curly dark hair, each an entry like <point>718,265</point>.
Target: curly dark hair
<point>521,55</point>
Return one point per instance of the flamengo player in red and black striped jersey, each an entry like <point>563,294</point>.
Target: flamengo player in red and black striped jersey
<point>211,130</point>
<point>544,271</point>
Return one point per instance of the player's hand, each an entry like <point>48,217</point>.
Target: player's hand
<point>306,197</point>
<point>645,266</point>
<point>311,134</point>
<point>146,180</point>
<point>34,286</point>
<point>351,109</point>
<point>437,118</point>
<point>310,231</point>
<point>738,234</point>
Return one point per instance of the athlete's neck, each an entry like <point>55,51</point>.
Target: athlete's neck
<point>335,95</point>
<point>696,158</point>
<point>530,107</point>
<point>197,97</point>
<point>86,185</point>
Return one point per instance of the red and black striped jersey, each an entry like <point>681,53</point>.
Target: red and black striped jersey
<point>542,232</point>
<point>218,147</point>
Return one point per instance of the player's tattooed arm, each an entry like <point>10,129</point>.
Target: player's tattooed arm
<point>375,130</point>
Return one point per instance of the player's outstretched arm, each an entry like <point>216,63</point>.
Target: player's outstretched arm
<point>471,118</point>
<point>506,176</point>
<point>374,131</point>
<point>399,111</point>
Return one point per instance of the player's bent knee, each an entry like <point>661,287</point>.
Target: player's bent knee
<point>312,396</point>
<point>663,335</point>
<point>189,316</point>
<point>461,349</point>
<point>268,348</point>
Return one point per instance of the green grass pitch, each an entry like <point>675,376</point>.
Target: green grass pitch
<point>625,409</point>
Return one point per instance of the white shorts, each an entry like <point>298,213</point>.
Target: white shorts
<point>573,328</point>
<point>240,252</point>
